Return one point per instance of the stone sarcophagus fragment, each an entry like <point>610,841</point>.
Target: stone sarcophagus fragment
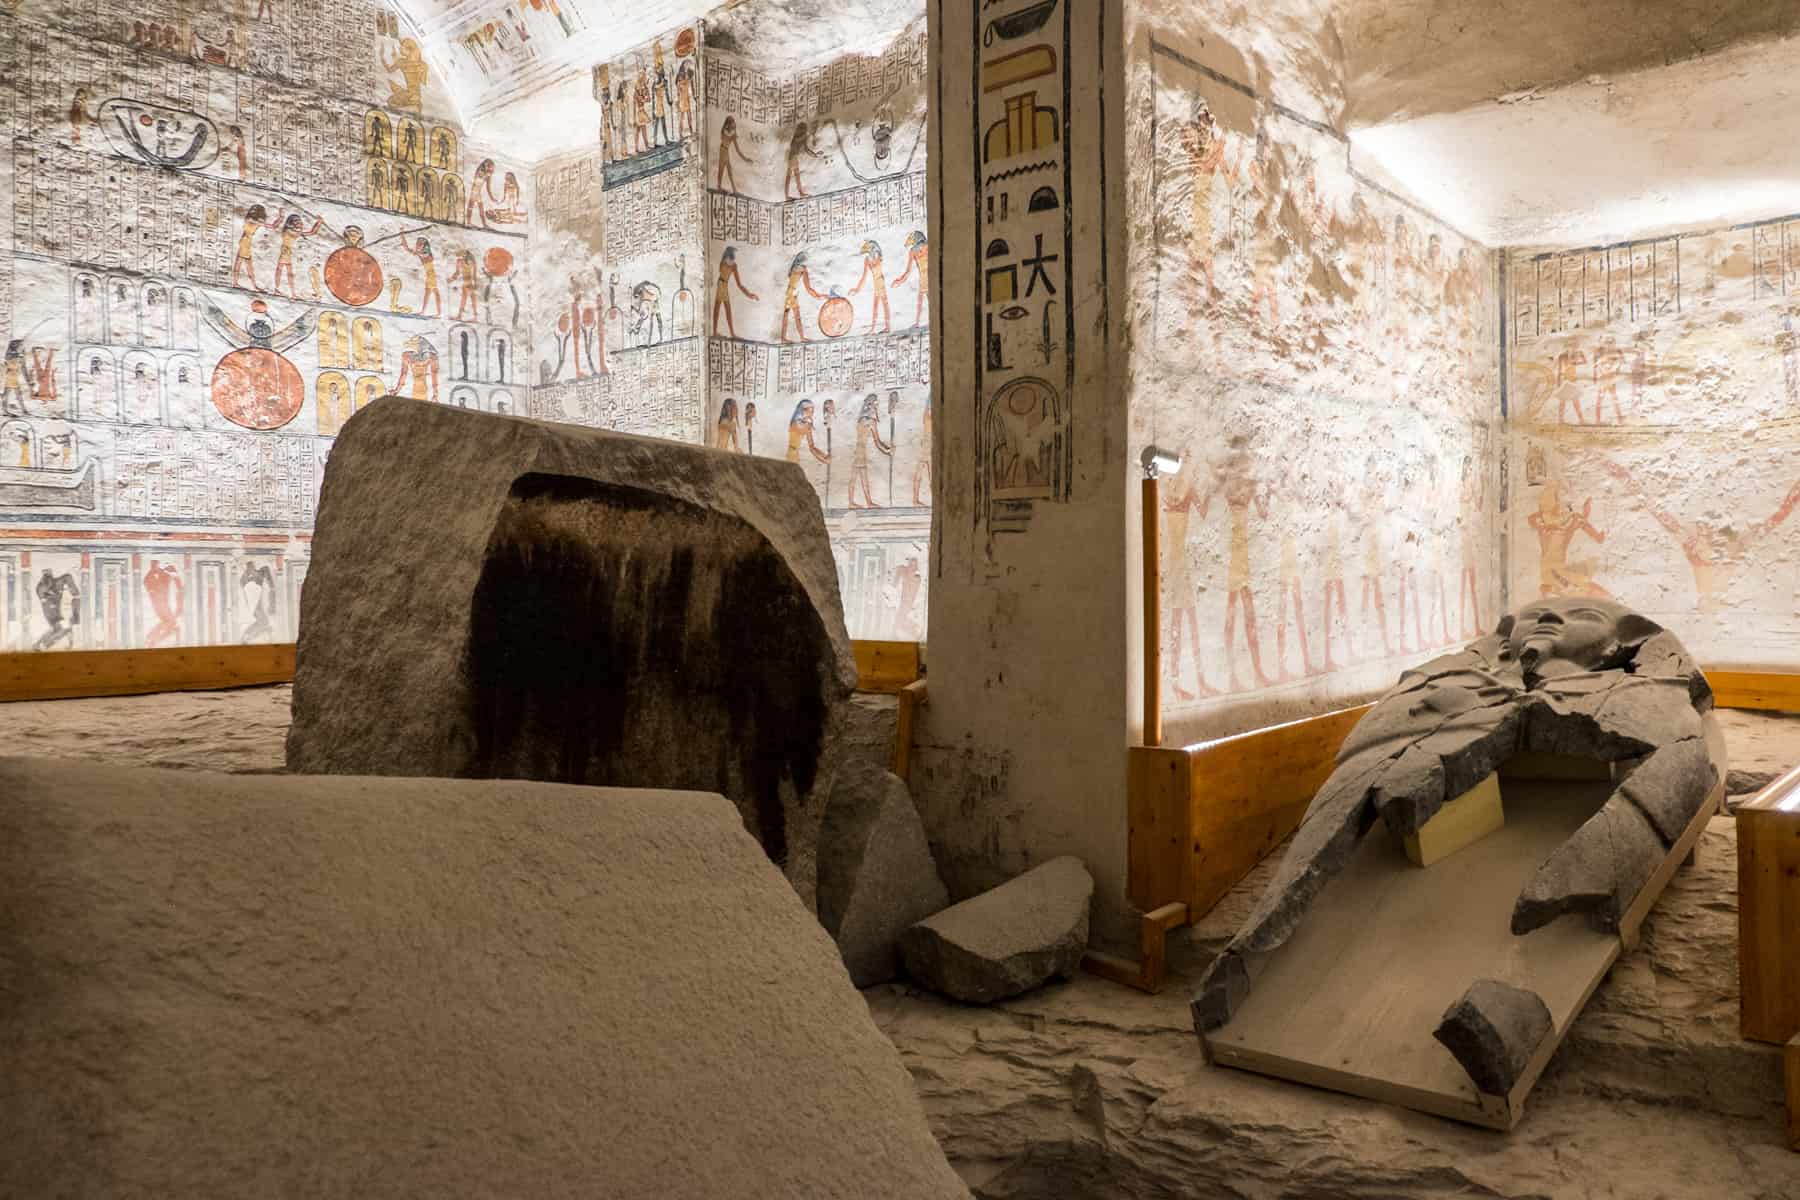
<point>492,597</point>
<point>1454,979</point>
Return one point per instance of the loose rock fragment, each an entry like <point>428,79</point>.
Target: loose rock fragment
<point>876,874</point>
<point>1493,1031</point>
<point>1008,940</point>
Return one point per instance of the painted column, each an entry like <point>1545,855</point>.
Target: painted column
<point>1023,752</point>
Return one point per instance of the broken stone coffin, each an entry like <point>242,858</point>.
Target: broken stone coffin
<point>876,874</point>
<point>1008,940</point>
<point>228,985</point>
<point>493,597</point>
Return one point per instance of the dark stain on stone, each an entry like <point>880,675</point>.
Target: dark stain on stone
<point>624,637</point>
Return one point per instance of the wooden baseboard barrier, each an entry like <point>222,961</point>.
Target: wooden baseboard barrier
<point>884,667</point>
<point>1146,974</point>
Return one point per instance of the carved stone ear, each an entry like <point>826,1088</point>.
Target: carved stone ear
<point>1504,629</point>
<point>1635,630</point>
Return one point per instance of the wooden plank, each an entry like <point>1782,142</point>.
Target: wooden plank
<point>1350,1001</point>
<point>65,674</point>
<point>1149,972</point>
<point>1768,829</point>
<point>1250,791</point>
<point>1458,824</point>
<point>912,696</point>
<point>885,666</point>
<point>1159,810</point>
<point>1755,689</point>
<point>1790,1059</point>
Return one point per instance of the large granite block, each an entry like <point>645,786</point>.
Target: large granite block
<point>496,597</point>
<point>218,985</point>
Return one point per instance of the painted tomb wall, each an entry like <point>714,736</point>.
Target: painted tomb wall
<point>1324,357</point>
<point>820,320</point>
<point>227,228</point>
<point>617,250</point>
<point>1654,397</point>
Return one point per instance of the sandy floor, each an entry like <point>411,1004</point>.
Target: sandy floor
<point>1090,1089</point>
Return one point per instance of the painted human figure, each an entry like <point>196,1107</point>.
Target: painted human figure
<point>164,587</point>
<point>868,430</point>
<point>1290,606</point>
<point>419,364</point>
<point>798,277</point>
<point>1472,500</point>
<point>640,110</point>
<point>257,583</point>
<point>409,64</point>
<point>1374,498</point>
<point>293,228</point>
<point>1335,614</point>
<point>481,193</point>
<point>876,276</point>
<point>1179,500</point>
<point>60,600</point>
<point>1714,552</point>
<point>421,250</point>
<point>1556,525</point>
<point>468,307</point>
<point>684,98</point>
<point>621,110</point>
<point>1204,143</point>
<point>512,206</point>
<point>43,379</point>
<point>800,433</point>
<point>800,143</point>
<point>646,313</point>
<point>728,148</point>
<point>1609,365</point>
<point>603,94</point>
<point>728,276</point>
<point>20,435</point>
<point>255,217</point>
<point>1233,483</point>
<point>725,432</point>
<point>14,378</point>
<point>146,395</point>
<point>1567,374</point>
<point>918,261</point>
<point>921,480</point>
<point>660,100</point>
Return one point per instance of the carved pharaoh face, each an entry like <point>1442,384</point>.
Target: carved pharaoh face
<point>1578,630</point>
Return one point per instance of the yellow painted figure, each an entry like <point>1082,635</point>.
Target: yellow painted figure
<point>918,259</point>
<point>868,429</point>
<point>422,251</point>
<point>873,273</point>
<point>409,64</point>
<point>800,433</point>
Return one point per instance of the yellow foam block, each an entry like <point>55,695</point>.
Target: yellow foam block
<point>1462,822</point>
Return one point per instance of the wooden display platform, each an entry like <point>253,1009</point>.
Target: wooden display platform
<point>1350,1002</point>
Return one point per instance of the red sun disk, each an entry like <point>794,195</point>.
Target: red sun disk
<point>353,275</point>
<point>836,316</point>
<point>257,388</point>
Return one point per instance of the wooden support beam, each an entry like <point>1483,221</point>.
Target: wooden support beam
<point>1755,689</point>
<point>1768,829</point>
<point>885,666</point>
<point>64,674</point>
<point>1152,967</point>
<point>912,698</point>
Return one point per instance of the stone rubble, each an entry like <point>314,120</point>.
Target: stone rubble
<point>1007,940</point>
<point>876,874</point>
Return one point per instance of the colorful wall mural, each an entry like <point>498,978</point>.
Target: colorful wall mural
<point>618,249</point>
<point>225,232</point>
<point>1324,357</point>
<point>1654,390</point>
<point>819,316</point>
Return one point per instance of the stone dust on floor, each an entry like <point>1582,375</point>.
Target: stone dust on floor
<point>1087,1088</point>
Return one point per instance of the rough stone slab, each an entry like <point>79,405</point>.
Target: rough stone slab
<point>1008,940</point>
<point>1664,785</point>
<point>876,875</point>
<point>493,597</point>
<point>1493,1031</point>
<point>1598,871</point>
<point>223,985</point>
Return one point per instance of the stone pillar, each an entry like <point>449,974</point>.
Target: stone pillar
<point>1033,591</point>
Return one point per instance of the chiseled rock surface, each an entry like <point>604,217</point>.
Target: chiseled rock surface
<point>1007,940</point>
<point>233,985</point>
<point>1089,1089</point>
<point>876,875</point>
<point>240,730</point>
